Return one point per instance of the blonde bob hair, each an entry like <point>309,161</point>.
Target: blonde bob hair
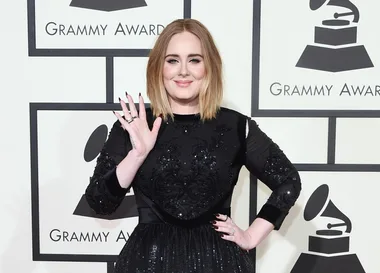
<point>210,95</point>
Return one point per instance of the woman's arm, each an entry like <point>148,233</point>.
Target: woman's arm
<point>108,184</point>
<point>129,143</point>
<point>265,160</point>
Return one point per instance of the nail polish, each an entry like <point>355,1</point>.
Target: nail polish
<point>119,99</point>
<point>126,93</point>
<point>139,94</point>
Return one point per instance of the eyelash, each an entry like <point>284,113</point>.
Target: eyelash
<point>195,60</point>
<point>172,61</point>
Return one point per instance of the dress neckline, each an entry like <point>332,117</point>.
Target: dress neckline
<point>186,117</point>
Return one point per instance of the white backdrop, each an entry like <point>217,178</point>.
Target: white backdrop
<point>68,72</point>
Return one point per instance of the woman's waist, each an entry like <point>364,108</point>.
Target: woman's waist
<point>155,215</point>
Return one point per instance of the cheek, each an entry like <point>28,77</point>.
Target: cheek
<point>199,72</point>
<point>169,71</point>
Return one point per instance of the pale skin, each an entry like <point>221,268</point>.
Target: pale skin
<point>183,74</point>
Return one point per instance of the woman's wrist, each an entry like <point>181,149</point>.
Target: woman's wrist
<point>252,241</point>
<point>137,158</point>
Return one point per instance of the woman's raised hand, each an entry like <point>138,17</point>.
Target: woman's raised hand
<point>135,123</point>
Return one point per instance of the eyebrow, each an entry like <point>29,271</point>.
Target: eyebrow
<point>189,56</point>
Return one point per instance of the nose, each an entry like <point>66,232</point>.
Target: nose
<point>184,69</point>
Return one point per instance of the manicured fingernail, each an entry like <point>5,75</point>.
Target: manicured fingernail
<point>119,99</point>
<point>113,112</point>
<point>139,94</point>
<point>126,93</point>
<point>221,235</point>
<point>215,227</point>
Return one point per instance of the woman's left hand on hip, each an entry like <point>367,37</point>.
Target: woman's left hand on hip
<point>231,232</point>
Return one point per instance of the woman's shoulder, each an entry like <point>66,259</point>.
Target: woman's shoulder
<point>233,118</point>
<point>231,113</point>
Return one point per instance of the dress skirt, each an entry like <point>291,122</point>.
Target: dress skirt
<point>167,248</point>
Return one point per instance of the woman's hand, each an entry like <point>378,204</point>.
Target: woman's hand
<point>231,232</point>
<point>142,138</point>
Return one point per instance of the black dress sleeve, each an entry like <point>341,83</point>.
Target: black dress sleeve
<point>104,193</point>
<point>265,160</point>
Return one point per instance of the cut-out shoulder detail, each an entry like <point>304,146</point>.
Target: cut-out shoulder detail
<point>247,128</point>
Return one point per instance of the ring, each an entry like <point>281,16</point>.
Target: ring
<point>226,218</point>
<point>131,119</point>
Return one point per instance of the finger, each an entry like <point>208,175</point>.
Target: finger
<point>228,238</point>
<point>222,217</point>
<point>221,224</point>
<point>142,113</point>
<point>131,104</point>
<point>156,126</point>
<point>225,230</point>
<point>123,122</point>
<point>126,126</point>
<point>124,107</point>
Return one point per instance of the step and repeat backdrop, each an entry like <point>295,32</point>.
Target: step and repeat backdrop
<point>315,89</point>
<point>306,71</point>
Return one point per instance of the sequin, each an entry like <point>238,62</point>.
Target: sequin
<point>98,194</point>
<point>165,248</point>
<point>193,167</point>
<point>265,159</point>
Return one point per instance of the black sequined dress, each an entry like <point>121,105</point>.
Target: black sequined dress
<point>188,176</point>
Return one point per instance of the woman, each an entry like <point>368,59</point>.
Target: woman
<point>182,157</point>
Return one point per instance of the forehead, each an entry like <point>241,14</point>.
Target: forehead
<point>184,43</point>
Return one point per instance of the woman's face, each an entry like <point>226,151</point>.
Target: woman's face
<point>184,69</point>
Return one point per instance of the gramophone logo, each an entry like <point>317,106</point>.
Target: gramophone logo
<point>336,47</point>
<point>329,248</point>
<point>128,206</point>
<point>108,5</point>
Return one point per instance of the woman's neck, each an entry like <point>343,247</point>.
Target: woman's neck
<point>184,109</point>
